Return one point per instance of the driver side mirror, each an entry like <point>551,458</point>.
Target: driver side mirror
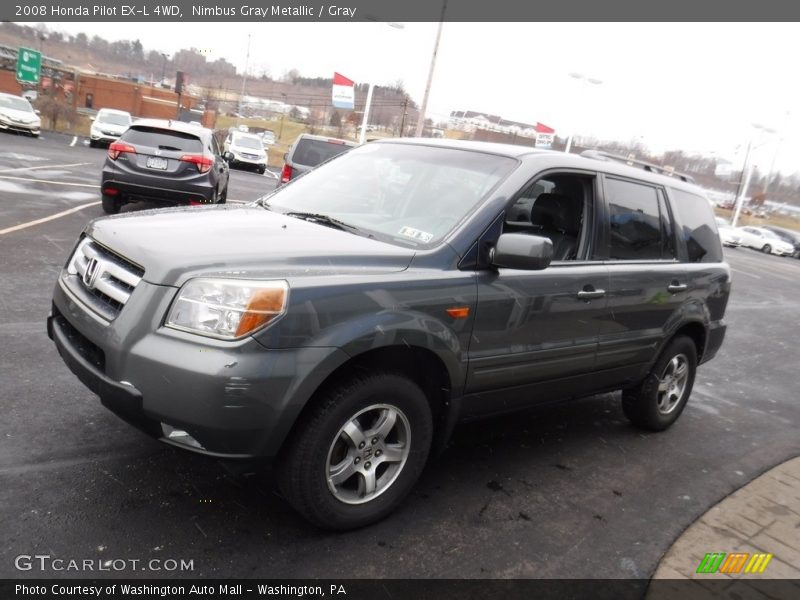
<point>227,156</point>
<point>522,251</point>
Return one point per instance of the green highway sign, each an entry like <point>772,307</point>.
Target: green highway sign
<point>29,65</point>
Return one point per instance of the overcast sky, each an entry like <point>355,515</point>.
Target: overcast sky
<point>696,87</point>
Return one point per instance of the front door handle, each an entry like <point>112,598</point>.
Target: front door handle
<point>591,294</point>
<point>674,288</point>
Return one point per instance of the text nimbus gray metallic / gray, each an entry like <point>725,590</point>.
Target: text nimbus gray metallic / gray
<point>275,10</point>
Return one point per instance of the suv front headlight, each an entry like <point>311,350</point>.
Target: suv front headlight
<point>227,308</point>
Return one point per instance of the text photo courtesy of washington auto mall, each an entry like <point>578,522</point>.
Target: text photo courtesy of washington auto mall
<point>441,300</point>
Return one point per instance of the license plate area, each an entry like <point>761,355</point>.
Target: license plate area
<point>156,162</point>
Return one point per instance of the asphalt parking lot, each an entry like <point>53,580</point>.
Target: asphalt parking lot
<point>566,491</point>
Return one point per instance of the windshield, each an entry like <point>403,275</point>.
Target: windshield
<point>404,194</point>
<point>114,119</point>
<point>15,103</point>
<point>247,142</point>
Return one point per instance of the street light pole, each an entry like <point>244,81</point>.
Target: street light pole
<point>424,107</point>
<point>363,135</point>
<point>747,171</point>
<point>590,80</point>
<point>365,119</point>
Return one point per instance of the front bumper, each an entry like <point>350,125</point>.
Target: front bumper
<point>32,128</point>
<point>236,399</point>
<point>99,136</point>
<point>238,159</point>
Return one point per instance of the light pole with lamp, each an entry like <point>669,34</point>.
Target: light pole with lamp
<point>768,178</point>
<point>747,172</point>
<point>363,135</point>
<point>591,81</point>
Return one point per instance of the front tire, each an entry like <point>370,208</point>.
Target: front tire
<point>354,457</point>
<point>660,399</point>
<point>767,249</point>
<point>110,205</point>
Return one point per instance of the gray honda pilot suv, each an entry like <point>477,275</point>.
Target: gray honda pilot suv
<point>341,326</point>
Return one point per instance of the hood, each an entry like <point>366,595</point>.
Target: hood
<point>20,116</point>
<point>173,245</point>
<point>247,150</point>
<point>110,127</point>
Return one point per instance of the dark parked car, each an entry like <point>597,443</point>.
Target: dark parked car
<point>308,151</point>
<point>787,235</point>
<point>165,161</point>
<point>341,326</point>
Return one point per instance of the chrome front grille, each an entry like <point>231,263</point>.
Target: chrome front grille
<point>101,279</point>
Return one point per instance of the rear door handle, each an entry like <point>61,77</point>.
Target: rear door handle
<point>674,288</point>
<point>591,294</point>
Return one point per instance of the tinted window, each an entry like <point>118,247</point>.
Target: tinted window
<point>313,152</point>
<point>698,226</point>
<point>635,221</point>
<point>163,138</point>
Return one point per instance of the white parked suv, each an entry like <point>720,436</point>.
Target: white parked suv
<point>245,149</point>
<point>108,125</point>
<point>764,240</point>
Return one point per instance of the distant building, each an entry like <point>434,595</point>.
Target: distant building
<point>470,121</point>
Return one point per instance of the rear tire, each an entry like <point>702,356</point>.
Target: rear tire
<point>92,144</point>
<point>110,205</point>
<point>767,249</point>
<point>660,399</point>
<point>355,456</point>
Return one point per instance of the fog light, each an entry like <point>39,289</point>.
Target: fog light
<point>179,436</point>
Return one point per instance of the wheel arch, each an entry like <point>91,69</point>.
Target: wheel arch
<point>422,365</point>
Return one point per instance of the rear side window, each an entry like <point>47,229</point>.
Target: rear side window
<point>698,227</point>
<point>163,139</point>
<point>313,152</point>
<point>636,225</point>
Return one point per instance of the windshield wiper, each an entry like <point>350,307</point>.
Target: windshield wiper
<point>322,220</point>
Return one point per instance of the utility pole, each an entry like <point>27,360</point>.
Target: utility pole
<point>424,107</point>
<point>403,120</point>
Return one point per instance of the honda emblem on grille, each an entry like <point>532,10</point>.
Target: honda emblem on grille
<point>92,271</point>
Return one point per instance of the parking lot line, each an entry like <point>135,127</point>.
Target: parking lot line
<point>46,219</point>
<point>44,167</point>
<point>34,180</point>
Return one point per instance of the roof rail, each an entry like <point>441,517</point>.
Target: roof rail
<point>653,168</point>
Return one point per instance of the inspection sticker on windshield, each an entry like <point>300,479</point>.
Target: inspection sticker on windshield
<point>416,234</point>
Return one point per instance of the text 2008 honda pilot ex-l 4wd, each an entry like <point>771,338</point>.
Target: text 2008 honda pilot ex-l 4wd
<point>342,325</point>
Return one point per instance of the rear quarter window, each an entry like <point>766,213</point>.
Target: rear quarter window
<point>163,138</point>
<point>697,226</point>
